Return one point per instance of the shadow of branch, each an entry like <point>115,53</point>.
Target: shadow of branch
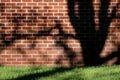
<point>43,74</point>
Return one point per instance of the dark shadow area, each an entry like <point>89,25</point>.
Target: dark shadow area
<point>118,55</point>
<point>92,41</point>
<point>35,76</point>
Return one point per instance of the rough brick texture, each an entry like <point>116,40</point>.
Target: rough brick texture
<point>43,32</point>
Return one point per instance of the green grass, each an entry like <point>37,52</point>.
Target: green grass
<point>57,73</point>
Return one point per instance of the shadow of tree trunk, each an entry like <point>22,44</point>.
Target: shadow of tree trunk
<point>92,41</point>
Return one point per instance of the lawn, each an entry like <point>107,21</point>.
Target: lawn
<point>60,73</point>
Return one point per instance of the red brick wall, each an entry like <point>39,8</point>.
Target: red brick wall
<point>39,32</point>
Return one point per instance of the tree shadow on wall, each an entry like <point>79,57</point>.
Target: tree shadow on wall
<point>83,21</point>
<point>117,55</point>
<point>41,33</point>
<point>84,25</point>
<point>59,42</point>
<point>15,35</point>
<point>60,38</point>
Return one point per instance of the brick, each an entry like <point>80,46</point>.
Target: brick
<point>26,0</point>
<point>54,11</point>
<point>16,63</point>
<point>32,4</point>
<point>19,11</point>
<point>11,11</point>
<point>27,7</point>
<point>113,0</point>
<point>6,63</point>
<point>11,59</point>
<point>39,62</point>
<point>5,0</point>
<point>48,0</point>
<point>5,56</point>
<point>25,63</point>
<point>53,4</point>
<point>42,4</point>
<point>37,0</point>
<point>58,0</point>
<point>16,0</point>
